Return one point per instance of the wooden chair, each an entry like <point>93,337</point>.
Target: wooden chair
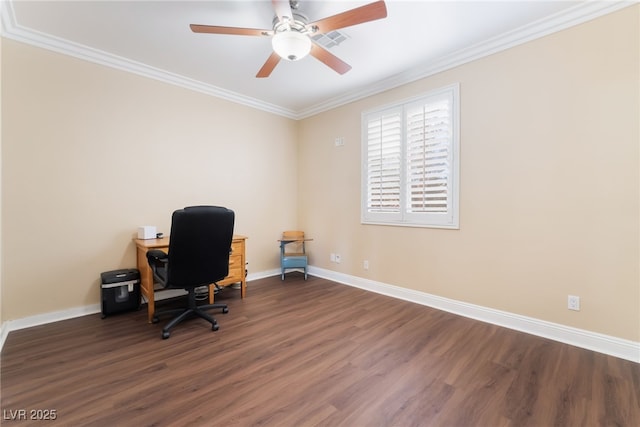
<point>293,252</point>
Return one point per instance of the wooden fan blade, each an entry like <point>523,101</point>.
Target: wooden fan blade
<point>283,9</point>
<point>329,59</point>
<point>214,29</point>
<point>366,13</point>
<point>268,66</point>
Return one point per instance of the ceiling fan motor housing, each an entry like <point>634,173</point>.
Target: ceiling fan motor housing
<point>290,40</point>
<point>291,45</point>
<point>292,33</point>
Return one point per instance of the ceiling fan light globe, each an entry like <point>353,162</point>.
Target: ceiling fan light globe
<point>291,45</point>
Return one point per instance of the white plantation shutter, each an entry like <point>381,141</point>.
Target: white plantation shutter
<point>428,156</point>
<point>410,162</point>
<point>384,158</point>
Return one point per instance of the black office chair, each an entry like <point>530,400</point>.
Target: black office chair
<point>199,246</point>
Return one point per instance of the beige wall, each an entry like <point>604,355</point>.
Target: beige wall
<point>549,179</point>
<point>90,153</point>
<point>549,184</point>
<point>1,258</point>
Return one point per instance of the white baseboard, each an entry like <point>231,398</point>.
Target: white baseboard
<point>624,349</point>
<point>4,331</point>
<point>617,347</point>
<point>41,319</point>
<point>55,316</point>
<point>263,274</point>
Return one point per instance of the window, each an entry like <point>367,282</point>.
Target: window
<point>410,155</point>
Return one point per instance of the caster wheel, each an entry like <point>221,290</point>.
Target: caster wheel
<point>225,310</point>
<point>155,319</point>
<point>165,335</point>
<point>215,327</point>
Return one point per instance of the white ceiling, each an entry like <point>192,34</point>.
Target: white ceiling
<point>418,38</point>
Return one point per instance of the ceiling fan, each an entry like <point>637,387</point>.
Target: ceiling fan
<point>292,35</point>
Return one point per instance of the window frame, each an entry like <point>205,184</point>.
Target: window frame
<point>402,216</point>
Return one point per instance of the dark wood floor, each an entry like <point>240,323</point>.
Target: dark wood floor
<point>307,353</point>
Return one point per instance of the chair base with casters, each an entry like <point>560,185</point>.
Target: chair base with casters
<point>191,310</point>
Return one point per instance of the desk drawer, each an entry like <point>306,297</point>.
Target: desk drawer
<point>235,261</point>
<point>235,267</point>
<point>236,247</point>
<point>235,275</point>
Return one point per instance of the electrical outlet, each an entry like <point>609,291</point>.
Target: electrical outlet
<point>338,258</point>
<point>332,257</point>
<point>365,264</point>
<point>573,303</point>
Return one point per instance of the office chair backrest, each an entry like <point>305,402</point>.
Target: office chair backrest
<point>199,246</point>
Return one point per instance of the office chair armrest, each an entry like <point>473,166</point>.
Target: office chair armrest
<point>157,256</point>
<point>158,261</point>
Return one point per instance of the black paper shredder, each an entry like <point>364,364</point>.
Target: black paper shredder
<point>120,291</point>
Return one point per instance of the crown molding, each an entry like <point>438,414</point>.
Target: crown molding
<point>570,17</point>
<point>12,30</point>
<point>576,15</point>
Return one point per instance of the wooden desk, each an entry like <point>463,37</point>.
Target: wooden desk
<point>237,261</point>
